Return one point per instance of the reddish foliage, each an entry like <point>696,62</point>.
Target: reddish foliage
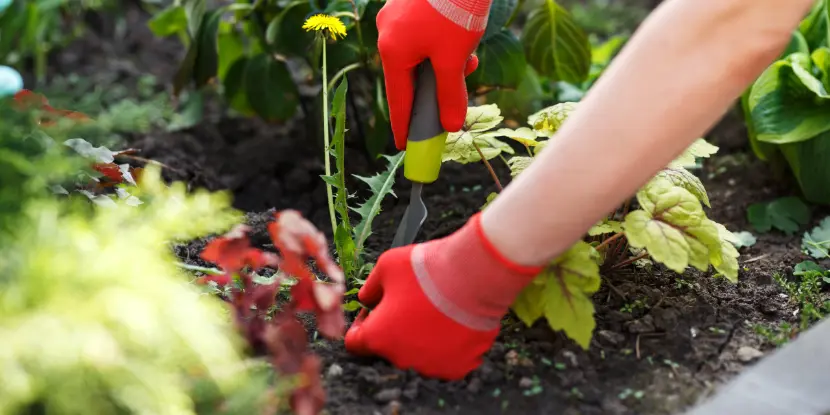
<point>282,337</point>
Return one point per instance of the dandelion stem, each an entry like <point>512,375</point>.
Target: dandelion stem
<point>326,144</point>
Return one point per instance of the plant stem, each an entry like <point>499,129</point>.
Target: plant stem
<point>326,145</point>
<point>341,74</point>
<point>630,261</point>
<point>196,268</point>
<point>489,167</point>
<point>609,240</point>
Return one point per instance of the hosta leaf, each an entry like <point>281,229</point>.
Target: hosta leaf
<point>700,148</point>
<point>518,164</point>
<point>817,241</point>
<point>685,179</point>
<point>789,102</point>
<point>380,186</point>
<point>501,62</point>
<point>787,214</point>
<point>461,146</point>
<point>814,27</point>
<point>555,45</point>
<point>571,280</point>
<point>604,227</point>
<point>547,121</point>
<point>671,226</point>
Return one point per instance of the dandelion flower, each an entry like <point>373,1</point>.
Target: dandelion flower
<point>326,23</point>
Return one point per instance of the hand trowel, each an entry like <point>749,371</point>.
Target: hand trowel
<point>424,147</point>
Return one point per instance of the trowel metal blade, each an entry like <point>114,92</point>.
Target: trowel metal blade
<point>413,218</point>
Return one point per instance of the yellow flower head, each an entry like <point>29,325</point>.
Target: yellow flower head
<point>326,23</point>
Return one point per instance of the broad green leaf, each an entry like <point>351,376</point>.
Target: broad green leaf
<point>500,13</point>
<point>571,280</point>
<point>168,22</point>
<point>195,11</point>
<point>518,164</point>
<point>99,154</point>
<point>191,112</point>
<point>523,135</point>
<point>270,89</point>
<point>809,163</point>
<point>229,47</point>
<point>207,57</point>
<point>685,179</point>
<point>788,103</point>
<point>490,198</point>
<point>722,253</point>
<point>554,45</point>
<point>525,99</point>
<point>380,185</point>
<point>806,267</point>
<point>699,149</point>
<point>529,306</point>
<point>787,214</point>
<point>743,239</point>
<point>817,241</point>
<point>671,226</point>
<point>234,87</point>
<point>605,226</point>
<point>184,74</point>
<point>547,121</point>
<point>815,26</point>
<point>461,146</point>
<point>501,62</point>
<point>798,44</point>
<point>272,32</point>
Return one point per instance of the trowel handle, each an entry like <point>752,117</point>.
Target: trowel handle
<point>426,139</point>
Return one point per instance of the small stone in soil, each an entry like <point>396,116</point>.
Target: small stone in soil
<point>411,391</point>
<point>474,386</point>
<point>334,371</point>
<point>570,357</point>
<point>512,358</point>
<point>394,408</point>
<point>525,382</point>
<point>748,354</point>
<point>643,325</point>
<point>369,374</point>
<point>388,395</point>
<point>610,338</point>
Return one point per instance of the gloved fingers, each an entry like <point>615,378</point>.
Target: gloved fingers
<point>357,340</point>
<point>452,92</point>
<point>372,291</point>
<point>472,65</point>
<point>400,89</point>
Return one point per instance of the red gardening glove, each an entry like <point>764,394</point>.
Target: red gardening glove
<point>446,32</point>
<point>437,306</point>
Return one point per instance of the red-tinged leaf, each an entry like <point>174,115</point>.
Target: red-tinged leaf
<point>309,398</point>
<point>110,170</point>
<point>233,252</point>
<point>331,323</point>
<point>27,100</point>
<point>288,342</point>
<point>303,295</point>
<point>264,296</point>
<point>137,172</point>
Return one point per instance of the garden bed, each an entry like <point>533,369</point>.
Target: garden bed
<point>662,341</point>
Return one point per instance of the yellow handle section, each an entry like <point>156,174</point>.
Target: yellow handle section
<point>422,161</point>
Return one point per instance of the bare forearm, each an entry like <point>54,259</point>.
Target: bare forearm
<point>677,76</point>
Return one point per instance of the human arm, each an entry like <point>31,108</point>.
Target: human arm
<point>675,78</point>
<point>437,304</point>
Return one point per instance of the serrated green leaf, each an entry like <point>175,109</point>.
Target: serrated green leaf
<point>817,241</point>
<point>722,253</point>
<point>547,121</point>
<point>571,279</point>
<point>518,164</point>
<point>605,227</point>
<point>685,179</point>
<point>461,146</point>
<point>700,148</point>
<point>671,226</point>
<point>380,185</point>
<point>555,45</point>
<point>787,214</point>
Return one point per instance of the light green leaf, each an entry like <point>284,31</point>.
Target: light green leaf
<point>722,253</point>
<point>571,280</point>
<point>547,121</point>
<point>490,198</point>
<point>685,179</point>
<point>168,22</point>
<point>501,62</point>
<point>743,239</point>
<point>380,185</point>
<point>699,149</point>
<point>100,154</point>
<point>554,45</point>
<point>461,146</point>
<point>817,241</point>
<point>529,306</point>
<point>604,227</point>
<point>806,267</point>
<point>788,103</point>
<point>787,214</point>
<point>518,164</point>
<point>523,135</point>
<point>815,26</point>
<point>671,226</point>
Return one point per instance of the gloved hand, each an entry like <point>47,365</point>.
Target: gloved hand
<point>437,306</point>
<point>446,32</point>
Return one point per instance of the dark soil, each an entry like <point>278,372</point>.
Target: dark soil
<point>679,341</point>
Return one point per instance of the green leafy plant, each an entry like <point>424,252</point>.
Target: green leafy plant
<point>787,214</point>
<point>817,242</point>
<point>806,294</point>
<point>786,108</point>
<point>669,226</point>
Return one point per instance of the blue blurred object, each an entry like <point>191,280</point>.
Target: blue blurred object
<point>10,80</point>
<point>4,4</point>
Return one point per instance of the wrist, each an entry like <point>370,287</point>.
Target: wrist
<point>471,15</point>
